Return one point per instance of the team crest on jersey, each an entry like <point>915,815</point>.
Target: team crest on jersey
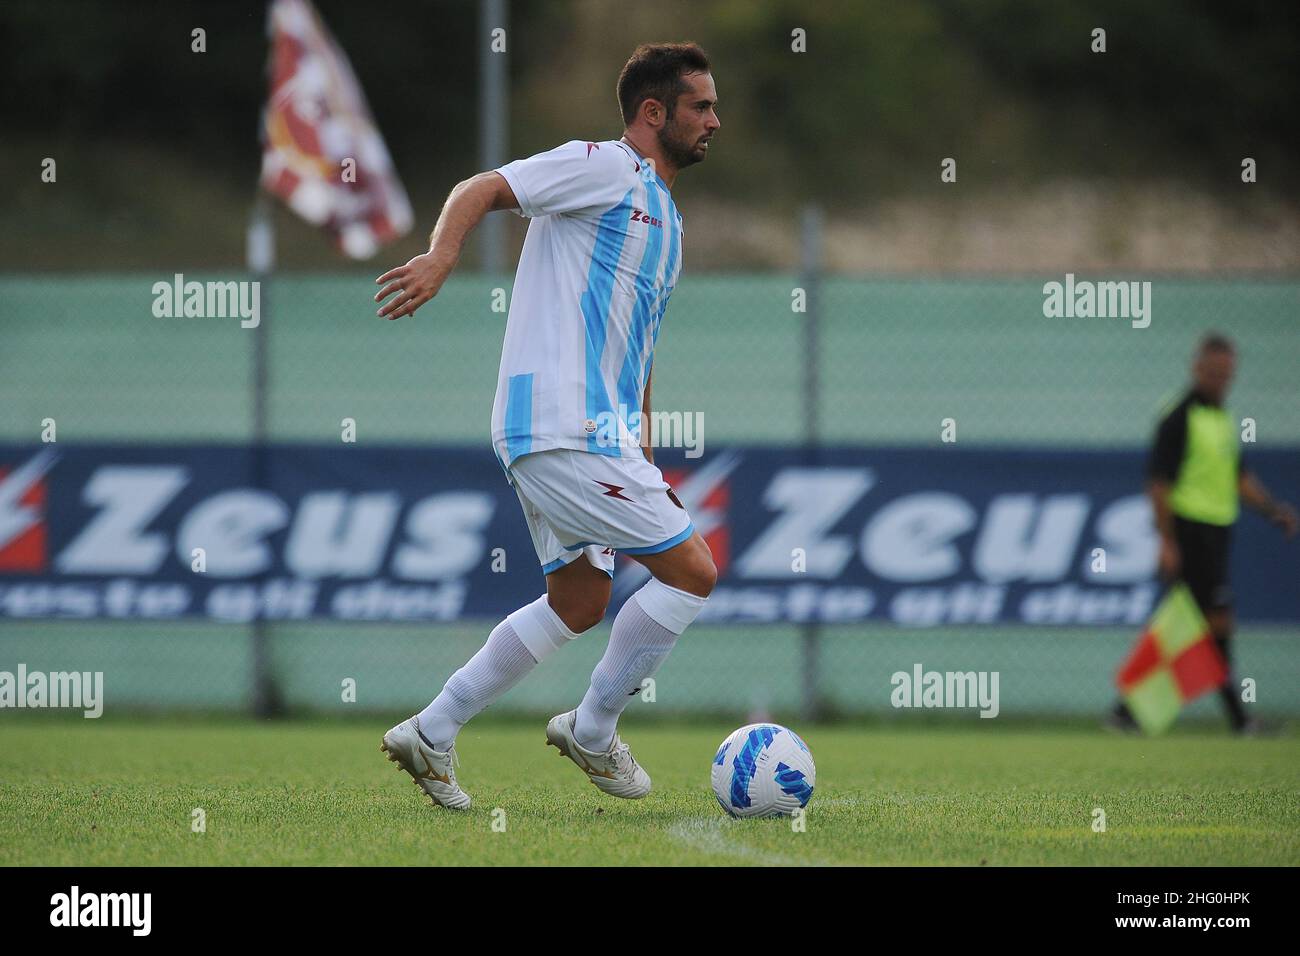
<point>589,426</point>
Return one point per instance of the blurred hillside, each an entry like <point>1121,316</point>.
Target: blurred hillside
<point>1067,159</point>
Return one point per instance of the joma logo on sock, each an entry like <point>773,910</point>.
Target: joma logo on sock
<point>103,909</point>
<point>946,689</point>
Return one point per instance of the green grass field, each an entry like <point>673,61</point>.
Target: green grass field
<point>122,791</point>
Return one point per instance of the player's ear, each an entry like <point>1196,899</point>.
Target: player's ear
<point>654,111</point>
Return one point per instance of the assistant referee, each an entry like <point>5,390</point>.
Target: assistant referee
<point>1195,479</point>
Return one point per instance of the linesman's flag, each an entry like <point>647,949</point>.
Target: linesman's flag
<point>1174,662</point>
<point>321,152</point>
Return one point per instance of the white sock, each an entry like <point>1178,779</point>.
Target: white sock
<point>514,648</point>
<point>644,633</point>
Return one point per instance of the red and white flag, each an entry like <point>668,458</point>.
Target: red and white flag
<point>321,152</point>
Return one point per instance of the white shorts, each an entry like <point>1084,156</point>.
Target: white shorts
<point>577,503</point>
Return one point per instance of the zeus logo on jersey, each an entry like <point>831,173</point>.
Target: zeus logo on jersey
<point>640,215</point>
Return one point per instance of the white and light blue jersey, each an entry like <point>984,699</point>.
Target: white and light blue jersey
<point>601,258</point>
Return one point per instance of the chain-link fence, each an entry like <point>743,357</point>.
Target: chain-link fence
<point>893,361</point>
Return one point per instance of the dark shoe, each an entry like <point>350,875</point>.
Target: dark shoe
<point>1254,727</point>
<point>1121,723</point>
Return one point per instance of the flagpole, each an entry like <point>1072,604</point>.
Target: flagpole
<point>310,82</point>
<point>260,252</point>
<point>811,268</point>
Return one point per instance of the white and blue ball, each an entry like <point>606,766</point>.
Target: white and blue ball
<point>763,770</point>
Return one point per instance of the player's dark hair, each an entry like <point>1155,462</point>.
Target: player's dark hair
<point>654,72</point>
<point>1216,342</point>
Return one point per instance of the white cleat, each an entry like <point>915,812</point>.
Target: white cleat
<point>615,772</point>
<point>432,771</point>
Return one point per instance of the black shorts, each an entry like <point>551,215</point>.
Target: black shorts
<point>1204,549</point>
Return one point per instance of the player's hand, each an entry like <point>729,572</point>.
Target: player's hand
<point>411,285</point>
<point>1284,517</point>
<point>1171,561</point>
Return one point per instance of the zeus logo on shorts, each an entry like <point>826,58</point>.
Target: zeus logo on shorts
<point>614,491</point>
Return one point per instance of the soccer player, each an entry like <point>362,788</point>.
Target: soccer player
<point>600,260</point>
<point>1195,478</point>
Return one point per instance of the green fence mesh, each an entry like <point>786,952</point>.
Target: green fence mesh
<point>894,358</point>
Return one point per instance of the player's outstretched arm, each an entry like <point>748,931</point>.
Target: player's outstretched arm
<point>419,280</point>
<point>1256,496</point>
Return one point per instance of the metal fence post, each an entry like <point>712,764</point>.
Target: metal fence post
<point>810,277</point>
<point>261,263</point>
<point>493,118</point>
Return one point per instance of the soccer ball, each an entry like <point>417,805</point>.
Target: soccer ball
<point>763,770</point>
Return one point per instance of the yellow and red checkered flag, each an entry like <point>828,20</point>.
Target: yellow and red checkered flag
<point>1174,662</point>
<point>321,151</point>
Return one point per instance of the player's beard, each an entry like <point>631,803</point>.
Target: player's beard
<point>678,148</point>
